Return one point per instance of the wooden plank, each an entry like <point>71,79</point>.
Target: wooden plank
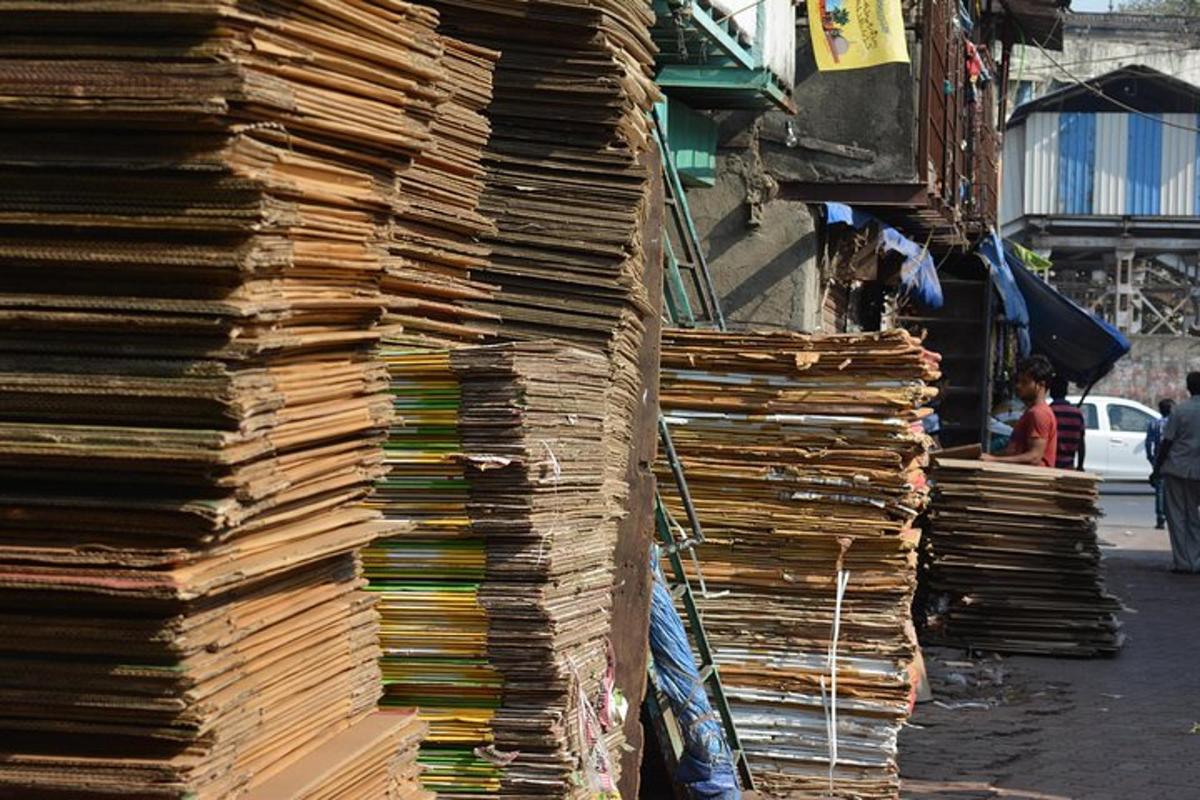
<point>631,593</point>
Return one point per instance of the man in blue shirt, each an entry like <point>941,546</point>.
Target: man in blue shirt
<point>1154,435</point>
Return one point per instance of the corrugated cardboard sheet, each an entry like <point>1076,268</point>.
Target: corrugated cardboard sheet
<point>497,607</point>
<point>194,228</point>
<point>805,461</point>
<point>1015,561</point>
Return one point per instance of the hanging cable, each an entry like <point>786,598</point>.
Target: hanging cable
<point>1098,92</point>
<point>1132,56</point>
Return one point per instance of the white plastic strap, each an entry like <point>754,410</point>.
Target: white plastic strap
<point>831,722</point>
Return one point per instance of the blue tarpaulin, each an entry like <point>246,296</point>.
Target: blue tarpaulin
<point>918,275</point>
<point>840,213</point>
<point>1011,298</point>
<point>706,766</point>
<point>1081,347</point>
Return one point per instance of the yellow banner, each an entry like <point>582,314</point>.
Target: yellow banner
<point>853,34</point>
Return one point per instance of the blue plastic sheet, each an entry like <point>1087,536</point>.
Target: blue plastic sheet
<point>1015,309</point>
<point>918,274</point>
<point>706,767</point>
<point>842,214</point>
<point>1081,347</point>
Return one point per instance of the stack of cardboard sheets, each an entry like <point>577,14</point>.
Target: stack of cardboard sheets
<point>532,426</point>
<point>193,237</point>
<point>553,248</point>
<point>496,608</point>
<point>564,183</point>
<point>568,178</point>
<point>434,630</point>
<point>435,243</point>
<point>375,758</point>
<point>804,457</point>
<point>1016,563</point>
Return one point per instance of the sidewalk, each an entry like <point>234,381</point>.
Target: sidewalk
<point>1054,729</point>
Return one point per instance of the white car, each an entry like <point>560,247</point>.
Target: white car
<point>1116,437</point>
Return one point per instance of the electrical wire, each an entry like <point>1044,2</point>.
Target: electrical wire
<point>1130,56</point>
<point>1098,92</point>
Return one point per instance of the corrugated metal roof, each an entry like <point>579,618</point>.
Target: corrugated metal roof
<point>1104,164</point>
<point>1153,92</point>
<point>1196,175</point>
<point>1178,197</point>
<point>1039,20</point>
<point>1112,130</point>
<point>1012,179</point>
<point>1041,164</point>
<point>1076,157</point>
<point>1143,170</point>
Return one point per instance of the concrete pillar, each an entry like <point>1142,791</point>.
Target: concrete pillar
<point>1128,317</point>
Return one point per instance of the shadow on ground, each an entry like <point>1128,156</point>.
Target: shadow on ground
<point>1122,728</point>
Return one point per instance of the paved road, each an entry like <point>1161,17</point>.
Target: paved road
<point>1125,728</point>
<point>1127,506</point>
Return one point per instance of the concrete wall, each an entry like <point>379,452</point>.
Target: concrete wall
<point>1095,44</point>
<point>873,112</point>
<point>1088,58</point>
<point>762,251</point>
<point>857,126</point>
<point>1155,368</point>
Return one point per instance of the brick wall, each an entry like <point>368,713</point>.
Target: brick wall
<point>1155,368</point>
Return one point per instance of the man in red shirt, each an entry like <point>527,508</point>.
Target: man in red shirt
<point>1035,436</point>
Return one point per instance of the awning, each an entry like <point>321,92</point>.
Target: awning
<point>918,274</point>
<point>1081,347</point>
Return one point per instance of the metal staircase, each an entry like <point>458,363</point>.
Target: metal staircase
<point>704,60</point>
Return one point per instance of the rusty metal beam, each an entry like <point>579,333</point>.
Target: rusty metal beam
<point>905,195</point>
<point>1142,244</point>
<point>907,206</point>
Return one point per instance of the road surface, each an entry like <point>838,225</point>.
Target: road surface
<point>1123,728</point>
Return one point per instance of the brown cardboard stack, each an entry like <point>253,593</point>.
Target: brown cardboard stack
<point>1016,563</point>
<point>568,178</point>
<point>194,232</point>
<point>375,758</point>
<point>564,182</point>
<point>804,458</point>
<point>567,182</point>
<point>434,631</point>
<point>435,243</point>
<point>497,606</point>
<point>532,426</point>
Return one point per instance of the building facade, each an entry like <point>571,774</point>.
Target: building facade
<point>1102,179</point>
